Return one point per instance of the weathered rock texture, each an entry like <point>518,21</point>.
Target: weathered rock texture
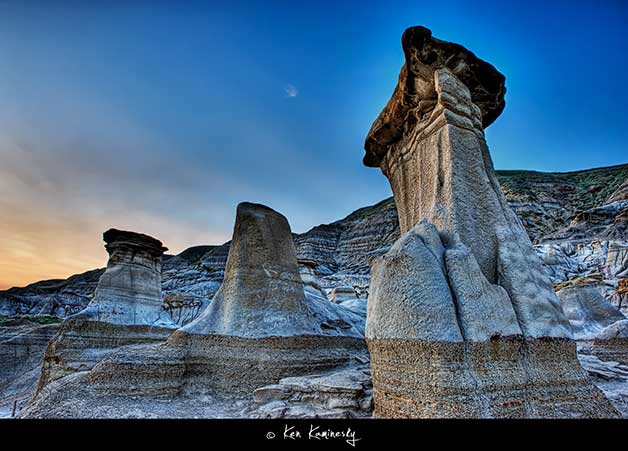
<point>612,342</point>
<point>259,328</point>
<point>22,345</point>
<point>260,325</point>
<point>462,319</point>
<point>548,202</point>
<point>60,298</point>
<point>339,253</point>
<point>339,394</point>
<point>620,193</point>
<point>609,376</point>
<point>587,310</point>
<point>126,309</point>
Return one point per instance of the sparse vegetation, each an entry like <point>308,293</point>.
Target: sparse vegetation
<point>580,189</point>
<point>39,319</point>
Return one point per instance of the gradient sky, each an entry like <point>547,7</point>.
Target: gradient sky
<point>160,117</point>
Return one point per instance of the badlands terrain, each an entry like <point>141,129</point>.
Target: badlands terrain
<point>472,294</point>
<point>577,221</point>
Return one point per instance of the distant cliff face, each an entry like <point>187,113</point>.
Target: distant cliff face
<point>548,203</point>
<point>583,206</point>
<point>344,248</point>
<point>51,297</point>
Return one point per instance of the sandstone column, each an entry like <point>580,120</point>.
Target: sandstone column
<point>126,308</point>
<point>260,326</point>
<point>462,319</point>
<point>129,291</point>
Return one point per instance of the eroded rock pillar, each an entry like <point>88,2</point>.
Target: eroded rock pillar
<point>129,291</point>
<point>462,320</point>
<point>126,309</point>
<point>260,326</point>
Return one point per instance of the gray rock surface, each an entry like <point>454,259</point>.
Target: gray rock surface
<point>126,309</point>
<point>488,315</point>
<point>410,297</point>
<point>340,294</point>
<point>587,310</point>
<point>610,377</point>
<point>611,344</point>
<point>51,297</point>
<point>262,294</point>
<point>339,394</point>
<point>259,328</point>
<point>129,291</point>
<point>22,345</point>
<point>485,311</point>
<point>608,221</point>
<point>356,305</point>
<point>618,329</point>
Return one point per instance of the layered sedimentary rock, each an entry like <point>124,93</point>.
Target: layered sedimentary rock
<point>51,297</point>
<point>187,286</point>
<point>307,272</point>
<point>621,193</point>
<point>609,221</point>
<point>346,393</point>
<point>545,202</point>
<point>22,345</point>
<point>616,264</point>
<point>612,342</point>
<point>260,327</point>
<point>260,323</point>
<point>343,249</point>
<point>126,308</point>
<point>462,319</point>
<point>341,294</point>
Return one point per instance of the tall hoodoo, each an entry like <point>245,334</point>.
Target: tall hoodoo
<point>462,319</point>
<point>129,291</point>
<point>126,308</point>
<point>260,327</point>
<point>260,324</point>
<point>262,293</point>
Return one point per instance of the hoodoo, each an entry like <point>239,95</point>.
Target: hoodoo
<point>259,328</point>
<point>462,319</point>
<point>126,308</point>
<point>260,325</point>
<point>129,291</point>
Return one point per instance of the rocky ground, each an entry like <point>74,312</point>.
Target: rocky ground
<point>609,376</point>
<point>23,341</point>
<point>578,222</point>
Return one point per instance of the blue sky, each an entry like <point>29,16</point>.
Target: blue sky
<point>160,117</point>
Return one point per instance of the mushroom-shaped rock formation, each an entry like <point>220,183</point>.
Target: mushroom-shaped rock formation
<point>260,324</point>
<point>129,291</point>
<point>259,328</point>
<point>126,308</point>
<point>417,95</point>
<point>462,319</point>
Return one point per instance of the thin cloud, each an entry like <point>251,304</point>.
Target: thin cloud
<point>291,90</point>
